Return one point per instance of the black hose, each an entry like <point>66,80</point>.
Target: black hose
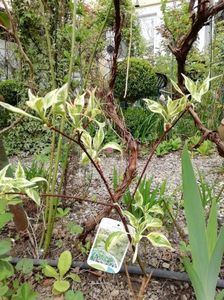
<point>159,273</point>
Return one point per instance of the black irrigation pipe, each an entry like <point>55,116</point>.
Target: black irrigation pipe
<point>159,273</point>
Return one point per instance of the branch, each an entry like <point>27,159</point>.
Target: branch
<point>154,149</point>
<point>208,134</point>
<point>79,142</point>
<point>111,111</point>
<point>4,130</point>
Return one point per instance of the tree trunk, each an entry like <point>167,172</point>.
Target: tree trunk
<point>19,215</point>
<point>181,61</point>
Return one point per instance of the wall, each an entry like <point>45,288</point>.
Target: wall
<point>150,17</point>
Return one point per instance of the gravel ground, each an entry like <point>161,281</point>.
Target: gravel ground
<point>85,181</point>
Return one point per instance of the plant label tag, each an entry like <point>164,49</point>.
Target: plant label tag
<point>110,246</point>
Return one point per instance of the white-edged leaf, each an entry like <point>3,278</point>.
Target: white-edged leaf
<point>17,110</point>
<point>34,195</point>
<point>152,222</point>
<point>4,171</point>
<point>50,99</point>
<point>86,139</point>
<point>158,239</point>
<point>38,179</point>
<point>62,94</point>
<point>112,145</point>
<point>156,107</point>
<point>132,219</point>
<point>98,138</point>
<point>175,85</point>
<point>156,209</point>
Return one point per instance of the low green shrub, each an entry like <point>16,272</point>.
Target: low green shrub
<point>28,137</point>
<point>143,124</point>
<point>12,92</point>
<point>168,146</point>
<point>141,80</point>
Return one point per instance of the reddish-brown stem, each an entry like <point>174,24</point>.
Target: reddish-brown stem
<point>67,197</point>
<point>79,142</point>
<point>154,149</point>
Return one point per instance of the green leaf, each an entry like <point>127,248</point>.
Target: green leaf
<point>212,227</point>
<point>17,110</point>
<point>25,265</point>
<point>34,195</point>
<point>3,290</point>
<point>74,277</point>
<point>195,218</point>
<point>5,246</point>
<point>19,173</point>
<point>158,240</point>
<point>70,295</point>
<point>112,239</point>
<point>25,293</point>
<point>64,262</point>
<point>50,272</point>
<point>214,265</point>
<point>220,295</point>
<point>61,286</point>
<point>74,228</point>
<point>195,280</point>
<point>6,270</point>
<point>4,219</point>
<point>138,198</point>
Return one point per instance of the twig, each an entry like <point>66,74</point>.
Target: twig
<point>65,197</point>
<point>79,142</point>
<point>178,228</point>
<point>130,286</point>
<point>154,149</point>
<point>16,122</point>
<point>144,285</point>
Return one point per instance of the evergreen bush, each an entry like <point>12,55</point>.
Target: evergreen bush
<point>141,80</point>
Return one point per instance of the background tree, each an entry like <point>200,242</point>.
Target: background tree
<point>190,17</point>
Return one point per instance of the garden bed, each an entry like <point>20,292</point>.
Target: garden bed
<point>86,182</point>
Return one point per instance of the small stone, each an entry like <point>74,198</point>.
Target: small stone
<point>183,297</point>
<point>114,293</point>
<point>165,265</point>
